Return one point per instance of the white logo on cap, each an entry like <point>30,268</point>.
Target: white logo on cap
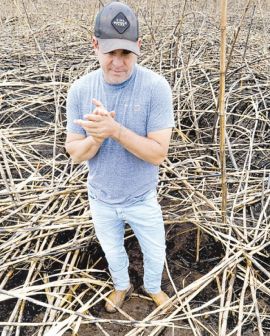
<point>120,23</point>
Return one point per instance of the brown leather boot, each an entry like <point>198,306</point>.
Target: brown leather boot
<point>159,298</point>
<point>118,297</point>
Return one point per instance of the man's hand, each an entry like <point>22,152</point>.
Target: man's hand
<point>100,124</point>
<point>100,109</point>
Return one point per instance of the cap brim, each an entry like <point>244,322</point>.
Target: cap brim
<point>108,45</point>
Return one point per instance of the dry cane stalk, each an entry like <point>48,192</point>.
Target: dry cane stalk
<point>222,111</point>
<point>222,114</point>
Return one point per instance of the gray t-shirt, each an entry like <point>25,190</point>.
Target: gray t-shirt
<point>143,103</point>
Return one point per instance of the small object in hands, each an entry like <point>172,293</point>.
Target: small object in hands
<point>118,297</point>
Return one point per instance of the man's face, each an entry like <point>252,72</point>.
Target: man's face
<point>117,65</point>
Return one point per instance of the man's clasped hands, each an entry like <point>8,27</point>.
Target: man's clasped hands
<point>100,124</point>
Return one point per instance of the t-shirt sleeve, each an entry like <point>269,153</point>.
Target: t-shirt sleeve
<point>161,107</point>
<point>74,111</point>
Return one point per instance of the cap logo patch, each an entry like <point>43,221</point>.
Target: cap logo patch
<point>120,23</point>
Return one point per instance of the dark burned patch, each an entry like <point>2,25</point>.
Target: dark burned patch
<point>183,267</point>
<point>64,236</point>
<point>92,254</point>
<point>266,325</point>
<point>182,249</point>
<point>6,308</point>
<point>17,278</point>
<point>31,310</point>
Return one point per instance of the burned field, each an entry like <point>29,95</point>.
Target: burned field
<point>53,275</point>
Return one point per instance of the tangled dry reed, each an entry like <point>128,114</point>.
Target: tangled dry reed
<point>45,220</point>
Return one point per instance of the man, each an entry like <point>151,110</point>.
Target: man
<point>119,120</point>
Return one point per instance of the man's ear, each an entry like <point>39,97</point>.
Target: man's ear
<point>95,44</point>
<point>139,42</point>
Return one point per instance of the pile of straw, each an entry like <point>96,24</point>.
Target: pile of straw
<point>45,220</point>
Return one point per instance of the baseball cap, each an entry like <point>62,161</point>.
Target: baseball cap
<point>116,27</point>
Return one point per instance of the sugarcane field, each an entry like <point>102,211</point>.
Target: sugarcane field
<point>213,186</point>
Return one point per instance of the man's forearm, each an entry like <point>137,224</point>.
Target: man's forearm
<point>82,150</point>
<point>152,148</point>
<point>144,148</point>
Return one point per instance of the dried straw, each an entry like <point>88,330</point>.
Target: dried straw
<point>47,239</point>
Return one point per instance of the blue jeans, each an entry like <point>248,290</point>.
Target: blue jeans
<point>145,219</point>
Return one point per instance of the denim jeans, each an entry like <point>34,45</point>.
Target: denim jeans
<point>145,218</point>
